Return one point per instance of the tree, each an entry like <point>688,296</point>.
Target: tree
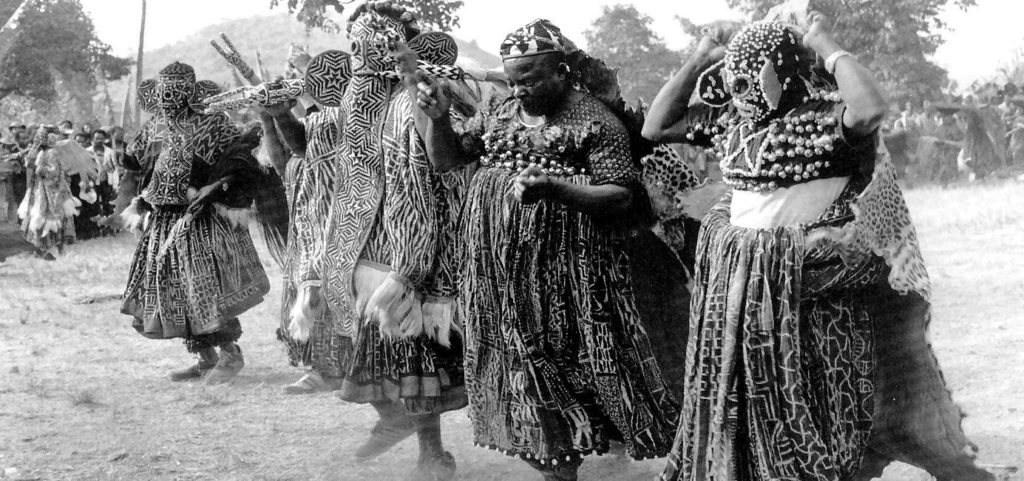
<point>437,14</point>
<point>139,61</point>
<point>55,39</point>
<point>892,38</point>
<point>623,38</point>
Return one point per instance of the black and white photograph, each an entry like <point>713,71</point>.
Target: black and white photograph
<point>579,240</point>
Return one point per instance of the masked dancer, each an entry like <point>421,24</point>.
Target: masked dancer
<point>384,280</point>
<point>806,273</point>
<point>196,268</point>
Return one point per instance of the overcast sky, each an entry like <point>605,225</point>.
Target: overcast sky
<point>982,39</point>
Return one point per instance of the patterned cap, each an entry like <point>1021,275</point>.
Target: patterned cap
<point>178,70</point>
<point>536,38</point>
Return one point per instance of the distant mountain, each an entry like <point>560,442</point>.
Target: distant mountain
<point>271,35</point>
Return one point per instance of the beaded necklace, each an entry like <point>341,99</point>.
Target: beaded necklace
<point>794,149</point>
<point>518,146</point>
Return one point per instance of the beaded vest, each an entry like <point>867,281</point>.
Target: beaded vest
<point>804,145</point>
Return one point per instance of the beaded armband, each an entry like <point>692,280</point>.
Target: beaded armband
<point>797,148</point>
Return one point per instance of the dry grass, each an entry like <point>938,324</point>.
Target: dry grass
<point>84,397</point>
<point>125,421</point>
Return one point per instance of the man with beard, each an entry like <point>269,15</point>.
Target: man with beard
<point>557,362</point>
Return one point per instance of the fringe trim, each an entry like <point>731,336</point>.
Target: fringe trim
<point>302,316</point>
<point>237,217</point>
<point>367,278</point>
<point>24,206</point>
<point>135,216</point>
<point>394,304</point>
<point>441,317</point>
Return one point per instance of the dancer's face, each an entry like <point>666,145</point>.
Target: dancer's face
<point>538,82</point>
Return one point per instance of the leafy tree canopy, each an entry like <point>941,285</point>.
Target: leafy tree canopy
<point>623,38</point>
<point>436,14</point>
<point>55,38</point>
<point>893,38</point>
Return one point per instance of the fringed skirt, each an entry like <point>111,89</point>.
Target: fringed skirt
<point>780,360</point>
<point>202,282</point>
<point>424,375</point>
<point>557,360</point>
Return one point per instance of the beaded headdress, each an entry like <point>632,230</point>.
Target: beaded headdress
<point>178,71</point>
<point>762,63</point>
<point>535,38</point>
<point>177,87</point>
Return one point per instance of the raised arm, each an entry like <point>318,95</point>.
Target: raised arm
<point>292,132</point>
<point>665,118</point>
<point>432,117</point>
<point>865,100</point>
<point>272,142</point>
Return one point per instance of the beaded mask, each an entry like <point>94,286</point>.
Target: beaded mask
<point>177,88</point>
<point>762,63</point>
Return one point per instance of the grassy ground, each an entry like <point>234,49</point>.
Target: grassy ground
<point>84,397</point>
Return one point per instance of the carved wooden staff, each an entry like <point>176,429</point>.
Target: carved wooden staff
<point>230,53</point>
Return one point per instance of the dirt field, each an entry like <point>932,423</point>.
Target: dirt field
<point>82,396</point>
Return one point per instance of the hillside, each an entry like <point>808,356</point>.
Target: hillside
<point>271,35</point>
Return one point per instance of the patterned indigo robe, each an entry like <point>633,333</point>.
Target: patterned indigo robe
<point>806,353</point>
<point>390,210</point>
<point>212,273</point>
<point>310,183</point>
<point>557,361</point>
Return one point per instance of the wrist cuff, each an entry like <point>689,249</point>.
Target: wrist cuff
<point>830,62</point>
